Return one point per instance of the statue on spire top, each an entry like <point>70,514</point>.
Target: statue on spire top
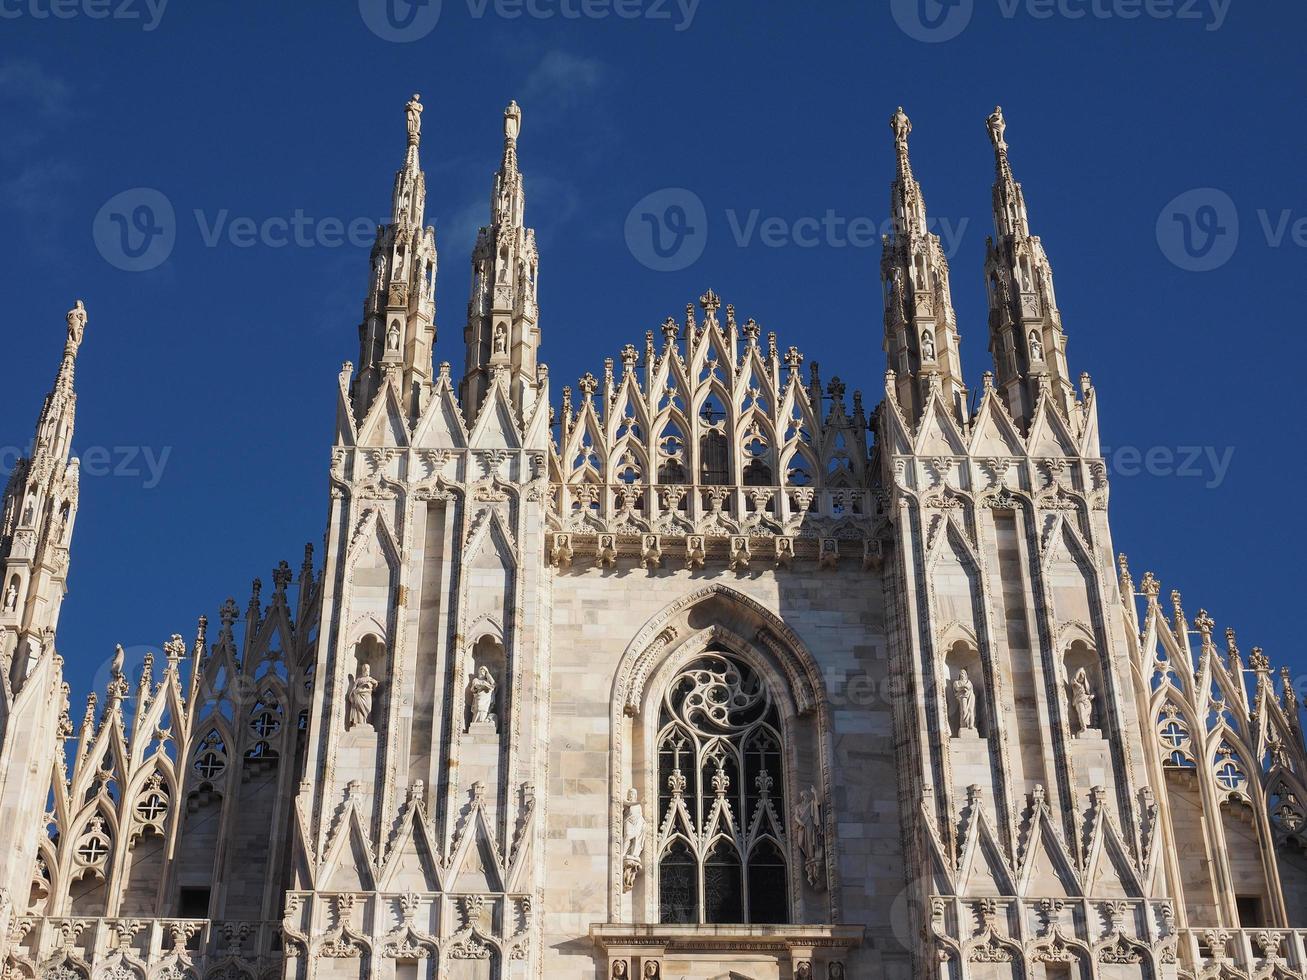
<point>76,324</point>
<point>997,127</point>
<point>413,117</point>
<point>901,125</point>
<point>512,120</point>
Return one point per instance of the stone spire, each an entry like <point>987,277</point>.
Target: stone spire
<point>1025,327</point>
<point>503,335</point>
<point>398,331</point>
<point>40,506</point>
<point>921,338</point>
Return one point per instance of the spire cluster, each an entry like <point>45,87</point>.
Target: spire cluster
<point>921,336</point>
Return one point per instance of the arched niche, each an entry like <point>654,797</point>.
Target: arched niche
<point>963,669</point>
<point>486,652</point>
<point>1082,688</point>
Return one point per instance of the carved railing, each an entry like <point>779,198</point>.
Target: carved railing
<point>174,947</point>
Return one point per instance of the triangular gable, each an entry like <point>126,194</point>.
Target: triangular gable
<point>938,434</point>
<point>495,427</point>
<point>413,865</point>
<point>1047,869</point>
<point>1109,873</point>
<point>385,425</point>
<point>1049,435</point>
<point>348,866</point>
<point>475,866</point>
<point>441,425</point>
<point>993,433</point>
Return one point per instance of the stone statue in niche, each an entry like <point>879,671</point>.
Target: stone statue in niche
<point>359,699</point>
<point>481,694</point>
<point>619,970</point>
<point>501,339</point>
<point>392,337</point>
<point>803,971</point>
<point>810,836</point>
<point>835,971</point>
<point>1082,701</point>
<point>633,828</point>
<point>1036,348</point>
<point>965,694</point>
<point>652,970</point>
<point>11,597</point>
<point>927,346</point>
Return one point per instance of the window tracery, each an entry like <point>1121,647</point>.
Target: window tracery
<point>722,842</point>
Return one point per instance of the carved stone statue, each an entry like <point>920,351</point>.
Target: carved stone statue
<point>835,971</point>
<point>11,597</point>
<point>633,828</point>
<point>965,694</point>
<point>927,346</point>
<point>1036,348</point>
<point>901,125</point>
<point>1082,700</point>
<point>413,118</point>
<point>810,836</point>
<point>358,705</point>
<point>619,970</point>
<point>481,692</point>
<point>501,339</point>
<point>652,970</point>
<point>392,337</point>
<point>997,127</point>
<point>76,324</point>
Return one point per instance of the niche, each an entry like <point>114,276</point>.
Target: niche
<point>1082,690</point>
<point>486,672</point>
<point>967,713</point>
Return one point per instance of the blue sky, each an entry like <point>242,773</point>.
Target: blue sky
<point>217,367</point>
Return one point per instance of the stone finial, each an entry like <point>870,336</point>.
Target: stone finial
<point>1258,661</point>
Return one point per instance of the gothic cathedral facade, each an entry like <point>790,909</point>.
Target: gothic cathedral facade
<point>705,671</point>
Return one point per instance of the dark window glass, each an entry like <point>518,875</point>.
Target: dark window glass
<point>678,892</point>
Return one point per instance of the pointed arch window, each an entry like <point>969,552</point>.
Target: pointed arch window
<point>721,778</point>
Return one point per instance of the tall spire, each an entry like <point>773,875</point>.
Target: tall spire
<point>40,506</point>
<point>398,331</point>
<point>921,337</point>
<point>502,334</point>
<point>1025,327</point>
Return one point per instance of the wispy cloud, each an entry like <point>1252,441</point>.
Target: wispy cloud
<point>562,80</point>
<point>35,102</point>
